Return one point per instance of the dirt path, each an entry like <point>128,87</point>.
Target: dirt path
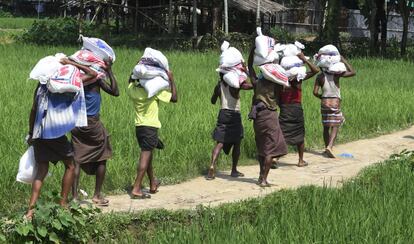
<point>320,171</point>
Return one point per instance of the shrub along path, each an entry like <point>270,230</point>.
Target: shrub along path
<point>321,171</point>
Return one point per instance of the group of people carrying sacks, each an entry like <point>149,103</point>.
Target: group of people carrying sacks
<point>67,99</point>
<point>283,68</point>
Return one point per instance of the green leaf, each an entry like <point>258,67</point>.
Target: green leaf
<point>2,238</point>
<point>42,231</point>
<point>53,237</point>
<point>57,225</point>
<point>23,229</point>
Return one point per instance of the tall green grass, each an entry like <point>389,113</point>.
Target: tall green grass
<point>376,101</point>
<point>375,207</point>
<point>16,23</point>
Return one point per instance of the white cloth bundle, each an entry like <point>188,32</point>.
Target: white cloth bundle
<point>46,68</point>
<point>275,73</point>
<point>99,47</point>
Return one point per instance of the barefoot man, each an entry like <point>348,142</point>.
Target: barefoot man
<point>91,143</point>
<point>332,117</point>
<point>50,119</point>
<point>291,117</point>
<point>146,130</point>
<point>229,130</point>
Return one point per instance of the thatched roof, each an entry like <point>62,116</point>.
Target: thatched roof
<point>267,6</point>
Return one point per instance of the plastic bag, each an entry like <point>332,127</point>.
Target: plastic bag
<point>27,167</point>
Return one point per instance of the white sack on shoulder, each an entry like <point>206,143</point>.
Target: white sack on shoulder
<point>235,78</point>
<point>337,68</point>
<point>142,71</point>
<point>154,86</point>
<point>290,62</point>
<point>272,57</point>
<point>99,47</point>
<point>66,79</point>
<point>157,57</point>
<point>27,167</point>
<point>46,67</point>
<point>299,72</point>
<point>275,73</point>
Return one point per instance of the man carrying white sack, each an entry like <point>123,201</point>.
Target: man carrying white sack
<point>147,124</point>
<point>53,115</point>
<point>328,82</point>
<point>291,117</point>
<point>268,135</point>
<point>229,129</point>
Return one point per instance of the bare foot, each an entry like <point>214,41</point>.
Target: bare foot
<point>100,201</point>
<point>211,174</point>
<point>329,152</point>
<point>236,174</point>
<point>154,186</point>
<point>29,214</point>
<point>302,163</point>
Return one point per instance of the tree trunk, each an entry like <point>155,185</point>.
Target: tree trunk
<point>136,16</point>
<point>170,17</point>
<point>216,19</point>
<point>383,20</point>
<point>80,20</point>
<point>194,23</point>
<point>226,17</point>
<point>258,13</point>
<point>405,17</point>
<point>330,31</point>
<point>373,29</point>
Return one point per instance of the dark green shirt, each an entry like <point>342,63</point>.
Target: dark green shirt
<point>268,92</point>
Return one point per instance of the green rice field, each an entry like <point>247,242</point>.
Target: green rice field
<point>375,207</point>
<point>378,100</point>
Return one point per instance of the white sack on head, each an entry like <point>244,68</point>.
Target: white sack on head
<point>230,56</point>
<point>142,71</point>
<point>293,49</point>
<point>329,50</point>
<point>275,73</point>
<point>154,86</point>
<point>337,68</point>
<point>46,68</point>
<point>155,56</point>
<point>272,57</point>
<point>235,78</point>
<point>27,167</point>
<point>325,61</point>
<point>263,44</point>
<point>299,72</point>
<point>99,47</point>
<point>290,62</point>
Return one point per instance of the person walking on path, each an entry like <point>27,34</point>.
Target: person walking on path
<point>146,130</point>
<point>91,143</point>
<point>332,117</point>
<point>229,129</point>
<point>270,142</point>
<point>51,117</point>
<point>291,117</point>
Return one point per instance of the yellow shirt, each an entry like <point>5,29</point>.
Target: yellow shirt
<point>146,109</point>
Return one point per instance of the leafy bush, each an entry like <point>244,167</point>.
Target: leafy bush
<point>5,14</point>
<point>281,35</point>
<point>60,31</point>
<point>51,223</point>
